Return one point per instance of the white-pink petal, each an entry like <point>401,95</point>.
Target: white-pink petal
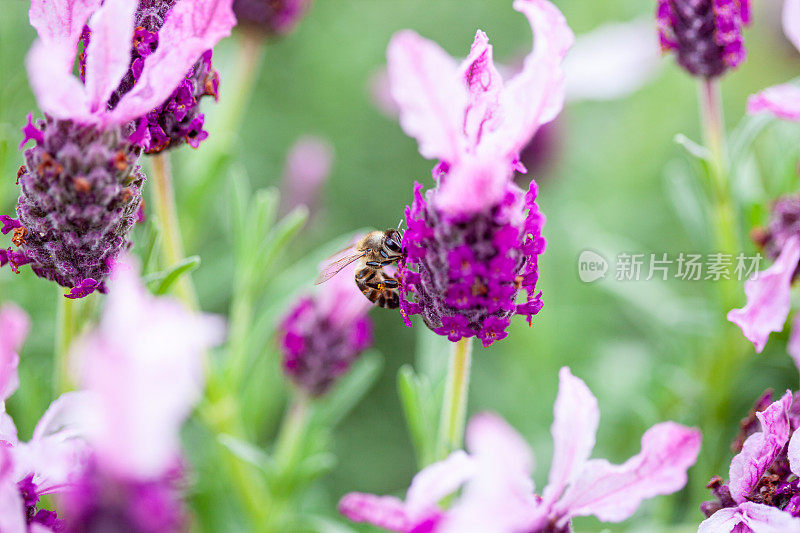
<point>437,481</point>
<point>109,52</point>
<point>768,297</point>
<point>782,101</point>
<point>757,517</point>
<point>61,21</point>
<point>12,510</point>
<point>472,184</point>
<point>791,21</point>
<point>794,453</point>
<point>58,93</point>
<point>793,346</point>
<point>576,417</point>
<point>613,492</point>
<point>191,28</point>
<point>760,449</point>
<point>386,512</point>
<point>14,326</point>
<point>484,87</point>
<point>424,83</point>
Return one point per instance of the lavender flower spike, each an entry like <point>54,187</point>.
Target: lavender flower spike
<point>762,493</point>
<point>473,241</point>
<point>270,17</point>
<point>143,368</point>
<point>782,101</point>
<point>498,493</point>
<point>706,35</point>
<point>323,334</point>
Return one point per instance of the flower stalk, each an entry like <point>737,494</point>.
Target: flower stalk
<point>454,404</point>
<point>66,327</point>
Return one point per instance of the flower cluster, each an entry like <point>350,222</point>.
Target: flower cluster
<point>706,35</point>
<point>270,17</point>
<point>473,241</point>
<point>762,493</point>
<point>498,494</point>
<point>323,334</point>
<point>81,186</point>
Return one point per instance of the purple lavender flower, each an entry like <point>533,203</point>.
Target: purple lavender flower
<point>270,17</point>
<point>762,493</point>
<point>473,241</point>
<point>308,165</point>
<point>498,493</point>
<point>322,335</point>
<point>783,101</point>
<point>706,35</point>
<point>81,187</point>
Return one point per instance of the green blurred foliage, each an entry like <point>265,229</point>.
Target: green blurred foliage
<point>638,346</point>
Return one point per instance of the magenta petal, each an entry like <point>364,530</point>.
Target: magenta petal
<point>424,83</point>
<point>613,492</point>
<point>109,50</point>
<point>191,28</point>
<point>83,289</point>
<point>386,512</point>
<point>768,297</point>
<point>756,517</point>
<point>14,325</point>
<point>760,449</point>
<point>576,417</point>
<point>783,101</point>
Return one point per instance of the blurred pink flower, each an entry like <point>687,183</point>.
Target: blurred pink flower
<point>192,27</point>
<point>768,297</point>
<point>308,165</point>
<point>783,101</point>
<point>498,493</point>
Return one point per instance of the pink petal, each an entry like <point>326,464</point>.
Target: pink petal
<point>191,28</point>
<point>536,95</point>
<point>791,21</point>
<point>760,449</point>
<point>793,346</point>
<point>308,166</point>
<point>61,21</point>
<point>768,297</point>
<point>12,510</point>
<point>484,86</point>
<point>437,481</point>
<point>782,101</point>
<point>500,496</point>
<point>109,50</point>
<point>57,91</point>
<point>386,512</point>
<point>613,492</point>
<point>473,184</point>
<point>794,452</point>
<point>576,417</point>
<point>145,364</point>
<point>424,83</point>
<point>14,325</point>
<point>757,517</point>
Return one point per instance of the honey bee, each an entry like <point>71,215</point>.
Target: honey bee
<point>376,250</point>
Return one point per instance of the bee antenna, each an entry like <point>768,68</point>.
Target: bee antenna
<point>400,224</point>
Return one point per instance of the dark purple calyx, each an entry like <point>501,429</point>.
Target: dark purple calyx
<point>80,189</point>
<point>30,498</point>
<point>463,275</point>
<point>270,17</point>
<point>706,35</point>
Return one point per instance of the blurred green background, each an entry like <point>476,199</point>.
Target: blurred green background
<point>616,184</point>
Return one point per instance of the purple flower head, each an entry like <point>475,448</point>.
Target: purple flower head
<point>782,101</point>
<point>498,493</point>
<point>473,241</point>
<point>706,35</point>
<point>762,493</point>
<point>308,165</point>
<point>323,334</point>
<point>270,17</point>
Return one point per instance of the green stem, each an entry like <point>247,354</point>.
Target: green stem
<point>66,327</point>
<point>454,405</point>
<point>289,443</point>
<point>171,243</point>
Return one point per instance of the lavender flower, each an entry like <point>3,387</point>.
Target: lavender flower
<point>783,101</point>
<point>48,463</point>
<point>706,35</point>
<point>473,241</point>
<point>270,17</point>
<point>143,370</point>
<point>498,494</point>
<point>308,166</point>
<point>323,334</point>
<point>762,493</point>
<point>81,187</point>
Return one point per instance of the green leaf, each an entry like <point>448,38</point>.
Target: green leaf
<point>414,392</point>
<point>697,151</point>
<point>279,238</point>
<point>349,391</point>
<point>149,245</point>
<point>246,451</point>
<point>165,279</point>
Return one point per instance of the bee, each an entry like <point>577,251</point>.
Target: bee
<point>376,250</point>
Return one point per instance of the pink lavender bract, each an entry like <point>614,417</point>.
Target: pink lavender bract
<point>706,35</point>
<point>323,334</point>
<point>498,493</point>
<point>473,241</point>
<point>762,493</point>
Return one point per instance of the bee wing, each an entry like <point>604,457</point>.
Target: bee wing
<point>334,267</point>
